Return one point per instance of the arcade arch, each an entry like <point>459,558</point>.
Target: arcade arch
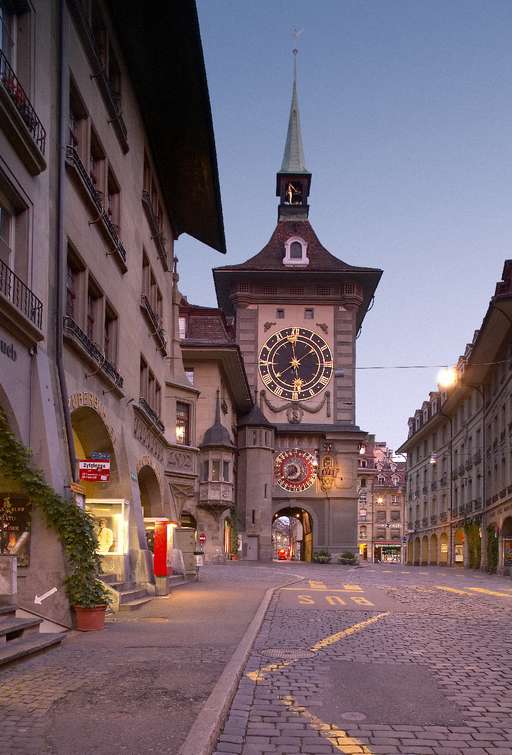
<point>292,529</point>
<point>433,551</point>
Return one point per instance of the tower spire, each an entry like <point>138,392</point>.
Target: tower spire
<point>293,157</point>
<point>293,179</point>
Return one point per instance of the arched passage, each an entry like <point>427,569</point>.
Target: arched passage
<point>417,551</point>
<point>424,550</point>
<point>443,548</point>
<point>6,407</point>
<point>410,552</point>
<point>433,551</point>
<point>150,493</point>
<point>506,535</point>
<point>458,547</point>
<point>91,437</point>
<point>292,531</point>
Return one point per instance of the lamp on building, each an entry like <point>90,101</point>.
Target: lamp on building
<point>447,377</point>
<point>362,449</point>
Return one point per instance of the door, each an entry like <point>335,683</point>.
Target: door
<point>252,547</point>
<point>185,541</point>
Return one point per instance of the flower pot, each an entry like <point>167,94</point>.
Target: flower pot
<point>89,619</point>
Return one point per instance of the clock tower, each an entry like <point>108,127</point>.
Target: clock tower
<point>298,310</point>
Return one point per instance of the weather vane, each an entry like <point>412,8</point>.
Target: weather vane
<point>296,34</point>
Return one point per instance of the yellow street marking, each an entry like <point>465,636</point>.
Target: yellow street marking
<point>361,601</point>
<point>316,583</point>
<point>349,745</point>
<point>490,592</point>
<point>405,572</point>
<point>256,675</point>
<point>333,599</point>
<point>353,588</point>
<point>333,638</point>
<point>451,589</point>
<point>305,600</point>
<point>317,589</point>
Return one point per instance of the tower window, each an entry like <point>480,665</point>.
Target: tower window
<point>295,252</point>
<point>309,314</point>
<point>280,314</point>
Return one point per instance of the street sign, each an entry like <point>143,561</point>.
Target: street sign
<point>202,538</point>
<point>100,455</point>
<point>94,471</point>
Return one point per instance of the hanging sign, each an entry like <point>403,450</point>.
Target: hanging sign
<point>94,471</point>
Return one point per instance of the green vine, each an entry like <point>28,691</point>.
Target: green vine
<point>233,543</point>
<point>73,526</point>
<point>473,539</point>
<point>492,549</point>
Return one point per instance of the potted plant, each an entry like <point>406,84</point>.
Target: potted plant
<point>322,557</point>
<point>347,558</point>
<point>89,598</point>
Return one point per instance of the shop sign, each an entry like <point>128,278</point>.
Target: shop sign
<point>100,455</point>
<point>93,470</point>
<point>8,349</point>
<point>15,527</point>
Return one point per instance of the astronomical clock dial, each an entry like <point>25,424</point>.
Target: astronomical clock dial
<point>295,364</point>
<point>295,470</point>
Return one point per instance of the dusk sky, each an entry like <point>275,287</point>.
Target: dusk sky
<point>406,111</point>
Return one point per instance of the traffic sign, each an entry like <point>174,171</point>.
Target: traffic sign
<point>202,538</point>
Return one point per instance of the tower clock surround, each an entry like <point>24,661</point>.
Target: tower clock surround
<point>295,363</point>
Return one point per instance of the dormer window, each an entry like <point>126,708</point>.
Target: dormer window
<point>296,252</point>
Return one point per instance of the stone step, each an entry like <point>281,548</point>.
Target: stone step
<point>12,629</point>
<point>109,579</point>
<point>132,605</point>
<point>127,596</point>
<point>6,610</point>
<point>25,646</point>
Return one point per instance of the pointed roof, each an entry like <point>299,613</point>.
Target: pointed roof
<point>217,435</point>
<point>293,157</point>
<point>254,418</point>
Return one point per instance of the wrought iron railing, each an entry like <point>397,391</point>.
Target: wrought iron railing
<point>156,231</point>
<point>20,295</point>
<point>155,321</point>
<point>151,414</point>
<point>72,328</point>
<point>18,96</point>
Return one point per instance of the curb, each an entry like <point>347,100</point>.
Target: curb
<point>205,730</point>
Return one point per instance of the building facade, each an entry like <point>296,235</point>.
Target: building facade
<point>459,454</point>
<point>96,185</point>
<point>381,514</point>
<point>297,311</point>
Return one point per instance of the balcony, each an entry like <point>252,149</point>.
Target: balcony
<point>215,496</point>
<point>443,516</point>
<point>111,98</point>
<point>424,521</point>
<point>433,519</point>
<point>95,198</point>
<point>155,322</point>
<point>477,504</point>
<point>86,347</point>
<point>151,414</point>
<point>19,304</point>
<point>156,232</point>
<point>433,486</point>
<point>20,121</point>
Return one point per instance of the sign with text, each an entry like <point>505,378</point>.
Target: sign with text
<point>15,527</point>
<point>202,538</point>
<point>92,470</point>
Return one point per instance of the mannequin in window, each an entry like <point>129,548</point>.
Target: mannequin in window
<point>105,537</point>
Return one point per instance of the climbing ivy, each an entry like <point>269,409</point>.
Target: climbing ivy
<point>73,526</point>
<point>472,532</point>
<point>492,549</point>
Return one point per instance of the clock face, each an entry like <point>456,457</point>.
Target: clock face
<point>295,470</point>
<point>295,363</point>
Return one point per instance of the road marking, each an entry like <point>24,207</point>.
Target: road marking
<point>335,599</point>
<point>451,589</point>
<point>305,600</point>
<point>318,589</point>
<point>333,638</point>
<point>490,592</point>
<point>353,588</point>
<point>316,583</point>
<point>361,601</point>
<point>331,735</point>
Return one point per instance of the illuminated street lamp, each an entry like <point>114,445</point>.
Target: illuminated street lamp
<point>447,377</point>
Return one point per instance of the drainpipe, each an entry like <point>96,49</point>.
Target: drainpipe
<point>62,107</point>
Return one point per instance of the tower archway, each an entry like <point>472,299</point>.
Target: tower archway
<point>150,493</point>
<point>292,531</point>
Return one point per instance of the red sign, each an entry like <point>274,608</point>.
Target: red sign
<point>202,538</point>
<point>93,470</point>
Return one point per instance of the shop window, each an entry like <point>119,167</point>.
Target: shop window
<point>225,471</point>
<point>309,313</point>
<point>111,525</point>
<point>183,423</point>
<point>216,470</point>
<point>111,335</point>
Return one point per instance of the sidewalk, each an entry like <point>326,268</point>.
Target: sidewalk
<point>139,685</point>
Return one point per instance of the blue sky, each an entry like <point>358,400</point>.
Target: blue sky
<point>406,110</point>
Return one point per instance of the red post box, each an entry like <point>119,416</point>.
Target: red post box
<point>160,548</point>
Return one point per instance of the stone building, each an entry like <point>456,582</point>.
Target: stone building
<point>297,311</point>
<point>96,184</point>
<point>381,517</point>
<point>459,453</point>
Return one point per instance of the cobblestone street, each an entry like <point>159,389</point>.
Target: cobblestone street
<point>379,660</point>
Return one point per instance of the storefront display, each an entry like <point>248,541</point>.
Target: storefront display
<point>111,520</point>
<point>15,523</point>
<point>459,554</point>
<point>507,551</point>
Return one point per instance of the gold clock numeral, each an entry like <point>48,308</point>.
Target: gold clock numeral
<point>311,392</point>
<point>267,378</point>
<point>278,391</point>
<point>328,363</point>
<point>324,380</point>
